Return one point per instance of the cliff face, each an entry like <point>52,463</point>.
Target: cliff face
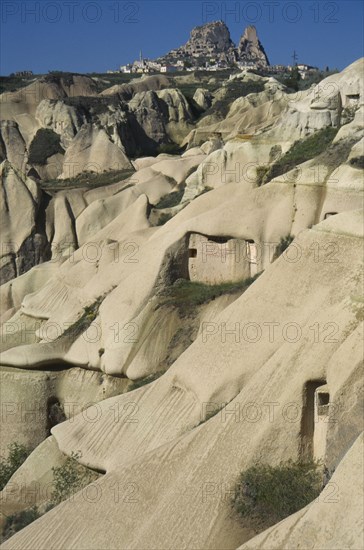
<point>210,39</point>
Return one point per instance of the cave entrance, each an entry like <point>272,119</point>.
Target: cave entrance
<point>314,421</point>
<point>251,253</point>
<point>322,408</point>
<point>218,240</point>
<point>329,214</point>
<point>216,259</point>
<point>55,413</point>
<point>352,100</point>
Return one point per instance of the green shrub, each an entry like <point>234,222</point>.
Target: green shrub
<point>275,152</point>
<point>293,80</point>
<point>13,83</point>
<point>143,381</point>
<point>201,79</point>
<point>44,144</point>
<point>16,522</point>
<point>17,455</point>
<point>70,478</point>
<point>169,149</point>
<point>282,246</point>
<point>313,77</point>
<point>106,80</point>
<point>261,172</point>
<point>234,90</point>
<point>164,218</point>
<point>95,105</point>
<point>84,321</point>
<point>172,199</point>
<point>267,494</point>
<point>185,294</point>
<point>56,76</point>
<point>301,151</point>
<point>336,154</point>
<point>348,114</point>
<point>89,179</point>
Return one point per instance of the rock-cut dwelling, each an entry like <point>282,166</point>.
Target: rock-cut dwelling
<point>215,260</point>
<point>315,419</point>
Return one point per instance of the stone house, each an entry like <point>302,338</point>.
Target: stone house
<point>215,260</point>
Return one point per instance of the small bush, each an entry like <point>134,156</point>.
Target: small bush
<point>336,153</point>
<point>348,114</point>
<point>261,172</point>
<point>90,180</point>
<point>143,381</point>
<point>186,295</point>
<point>88,316</point>
<point>300,152</point>
<point>172,199</point>
<point>106,80</point>
<point>17,455</point>
<point>16,522</point>
<point>56,76</point>
<point>234,90</point>
<point>293,80</point>
<point>44,144</point>
<point>13,83</point>
<point>275,152</point>
<point>164,218</point>
<point>90,105</point>
<point>282,246</point>
<point>169,149</point>
<point>70,478</point>
<point>265,494</point>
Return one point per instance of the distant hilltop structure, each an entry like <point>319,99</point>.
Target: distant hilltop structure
<point>211,45</point>
<point>250,49</point>
<point>211,48</point>
<point>22,73</point>
<point>210,42</point>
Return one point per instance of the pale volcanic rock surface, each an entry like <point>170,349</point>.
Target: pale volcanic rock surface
<point>102,311</point>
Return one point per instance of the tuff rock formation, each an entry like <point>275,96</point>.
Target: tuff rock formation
<point>23,242</point>
<point>212,41</point>
<point>224,382</point>
<point>250,47</point>
<point>132,119</point>
<point>91,150</point>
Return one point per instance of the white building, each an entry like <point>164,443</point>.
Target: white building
<point>125,69</point>
<point>247,65</point>
<point>168,69</point>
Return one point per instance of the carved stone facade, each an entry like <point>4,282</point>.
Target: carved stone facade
<point>215,260</point>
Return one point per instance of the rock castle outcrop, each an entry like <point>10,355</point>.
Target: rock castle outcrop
<point>250,48</point>
<point>213,41</point>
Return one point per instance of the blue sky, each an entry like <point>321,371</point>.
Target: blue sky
<point>86,36</point>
